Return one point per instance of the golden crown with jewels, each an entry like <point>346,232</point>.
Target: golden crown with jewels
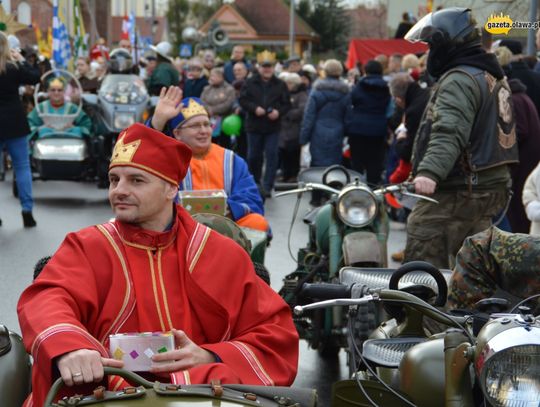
<point>123,153</point>
<point>266,57</point>
<point>193,109</point>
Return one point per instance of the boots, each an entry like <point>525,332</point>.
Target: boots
<point>28,219</point>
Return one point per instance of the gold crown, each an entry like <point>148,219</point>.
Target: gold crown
<point>193,109</point>
<point>266,56</point>
<point>123,153</point>
<point>56,82</point>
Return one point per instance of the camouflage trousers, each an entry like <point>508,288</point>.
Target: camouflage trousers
<point>435,232</point>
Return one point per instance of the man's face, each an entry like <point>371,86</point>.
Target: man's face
<point>239,71</point>
<point>139,198</point>
<point>195,71</point>
<point>237,53</point>
<point>208,61</point>
<point>266,71</point>
<point>196,133</point>
<point>394,64</point>
<point>126,44</point>
<point>56,94</point>
<point>215,79</point>
<point>294,66</point>
<point>82,67</point>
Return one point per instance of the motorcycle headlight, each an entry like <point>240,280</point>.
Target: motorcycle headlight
<point>508,364</point>
<point>123,120</point>
<point>356,206</point>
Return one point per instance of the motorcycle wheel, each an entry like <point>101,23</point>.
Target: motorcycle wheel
<point>327,346</point>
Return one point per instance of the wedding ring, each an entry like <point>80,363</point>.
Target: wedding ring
<point>76,374</point>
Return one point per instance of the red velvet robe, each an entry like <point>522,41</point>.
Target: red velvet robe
<point>116,278</point>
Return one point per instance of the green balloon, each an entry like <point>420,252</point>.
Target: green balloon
<point>231,125</point>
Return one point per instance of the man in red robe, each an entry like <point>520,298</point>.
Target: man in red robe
<point>154,269</point>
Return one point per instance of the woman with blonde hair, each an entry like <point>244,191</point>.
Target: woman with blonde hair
<point>14,72</point>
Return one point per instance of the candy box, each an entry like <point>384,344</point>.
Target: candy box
<point>204,201</point>
<point>136,349</point>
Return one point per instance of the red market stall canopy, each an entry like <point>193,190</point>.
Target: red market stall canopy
<point>365,49</point>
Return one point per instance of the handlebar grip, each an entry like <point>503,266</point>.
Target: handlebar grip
<point>325,291</point>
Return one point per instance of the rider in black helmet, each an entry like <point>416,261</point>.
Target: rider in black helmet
<point>121,62</point>
<point>465,141</point>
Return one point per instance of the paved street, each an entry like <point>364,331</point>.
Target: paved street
<point>61,207</point>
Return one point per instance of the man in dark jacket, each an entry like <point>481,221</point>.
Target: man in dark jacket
<point>465,141</point>
<point>266,100</point>
<point>237,55</point>
<point>366,122</point>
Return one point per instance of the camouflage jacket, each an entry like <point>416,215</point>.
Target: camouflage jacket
<point>495,263</point>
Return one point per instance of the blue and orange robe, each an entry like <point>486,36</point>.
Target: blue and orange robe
<point>222,169</point>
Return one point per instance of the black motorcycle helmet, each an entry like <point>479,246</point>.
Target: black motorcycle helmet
<point>450,27</point>
<point>448,32</point>
<point>120,61</point>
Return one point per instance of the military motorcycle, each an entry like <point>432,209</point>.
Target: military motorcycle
<point>15,369</point>
<point>350,229</point>
<point>487,357</point>
<point>122,100</point>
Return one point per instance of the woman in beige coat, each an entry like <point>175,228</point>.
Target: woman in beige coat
<point>218,95</point>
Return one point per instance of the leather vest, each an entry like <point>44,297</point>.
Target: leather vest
<point>492,141</point>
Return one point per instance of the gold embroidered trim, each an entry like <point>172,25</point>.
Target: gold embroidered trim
<point>164,293</point>
<point>118,252</point>
<point>154,288</point>
<point>199,249</point>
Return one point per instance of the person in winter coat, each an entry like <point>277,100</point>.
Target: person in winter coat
<point>289,144</point>
<point>412,98</point>
<point>528,141</point>
<point>219,97</point>
<point>266,99</point>
<point>324,117</point>
<point>531,200</point>
<point>14,72</point>
<point>164,74</point>
<point>196,81</point>
<point>366,122</point>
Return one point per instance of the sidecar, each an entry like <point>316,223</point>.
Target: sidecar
<point>61,148</point>
<point>15,369</point>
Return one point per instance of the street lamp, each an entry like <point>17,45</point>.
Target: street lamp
<point>291,31</point>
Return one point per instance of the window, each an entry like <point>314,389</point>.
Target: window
<point>24,13</point>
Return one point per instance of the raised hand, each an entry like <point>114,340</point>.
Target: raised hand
<point>186,355</point>
<point>167,107</point>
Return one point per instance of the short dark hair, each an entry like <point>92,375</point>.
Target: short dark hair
<point>373,67</point>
